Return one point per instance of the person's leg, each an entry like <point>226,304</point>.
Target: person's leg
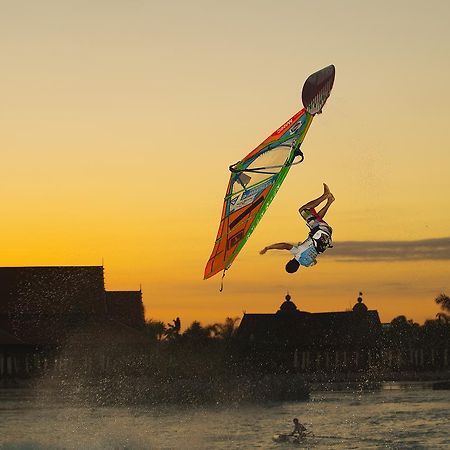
<point>324,210</point>
<point>317,201</point>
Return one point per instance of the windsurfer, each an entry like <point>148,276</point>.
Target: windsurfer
<point>299,429</point>
<point>319,238</point>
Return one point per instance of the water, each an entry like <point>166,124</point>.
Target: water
<point>388,418</point>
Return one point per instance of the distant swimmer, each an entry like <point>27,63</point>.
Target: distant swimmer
<point>299,429</point>
<point>319,238</point>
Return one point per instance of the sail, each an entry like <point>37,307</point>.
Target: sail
<point>255,179</point>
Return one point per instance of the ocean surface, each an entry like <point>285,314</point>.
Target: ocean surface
<point>393,417</point>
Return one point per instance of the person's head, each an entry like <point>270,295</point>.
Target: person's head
<point>292,266</point>
<point>295,421</point>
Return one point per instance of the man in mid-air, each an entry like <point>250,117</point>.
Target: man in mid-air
<point>319,238</point>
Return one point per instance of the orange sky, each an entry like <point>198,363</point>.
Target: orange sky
<point>119,120</point>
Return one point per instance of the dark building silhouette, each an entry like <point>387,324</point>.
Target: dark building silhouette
<point>45,310</point>
<point>39,305</point>
<point>12,352</point>
<point>360,307</point>
<point>347,340</point>
<point>126,307</point>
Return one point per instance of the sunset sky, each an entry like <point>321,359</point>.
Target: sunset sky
<point>119,120</point>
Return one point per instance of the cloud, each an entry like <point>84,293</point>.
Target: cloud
<point>357,251</point>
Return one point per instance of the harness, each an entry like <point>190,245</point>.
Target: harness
<point>316,235</point>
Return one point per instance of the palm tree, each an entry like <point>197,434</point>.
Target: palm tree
<point>173,329</point>
<point>444,301</point>
<point>402,332</point>
<point>155,329</point>
<point>196,332</point>
<point>227,329</point>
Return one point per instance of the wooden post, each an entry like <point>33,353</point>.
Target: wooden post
<point>303,360</point>
<point>295,362</point>
<point>318,358</point>
<point>9,365</point>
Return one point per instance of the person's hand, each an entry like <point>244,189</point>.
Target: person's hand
<point>264,250</point>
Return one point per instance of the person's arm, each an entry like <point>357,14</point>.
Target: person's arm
<point>278,246</point>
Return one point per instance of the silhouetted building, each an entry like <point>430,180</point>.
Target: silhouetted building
<point>287,307</point>
<point>325,341</point>
<point>39,305</point>
<point>126,307</point>
<point>13,354</point>
<point>63,310</point>
<point>360,307</point>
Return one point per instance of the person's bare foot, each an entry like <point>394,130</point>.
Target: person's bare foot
<point>331,197</point>
<point>326,189</point>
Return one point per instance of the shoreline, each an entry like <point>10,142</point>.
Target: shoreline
<point>308,384</point>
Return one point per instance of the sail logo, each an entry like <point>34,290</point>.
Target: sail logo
<point>233,240</point>
<point>249,195</point>
<point>296,127</point>
<point>283,127</point>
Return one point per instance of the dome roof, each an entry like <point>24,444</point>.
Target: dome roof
<point>360,306</point>
<point>288,306</point>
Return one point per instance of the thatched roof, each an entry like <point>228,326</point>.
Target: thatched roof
<point>105,334</point>
<point>126,307</point>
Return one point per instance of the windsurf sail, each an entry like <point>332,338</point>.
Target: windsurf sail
<point>255,179</point>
